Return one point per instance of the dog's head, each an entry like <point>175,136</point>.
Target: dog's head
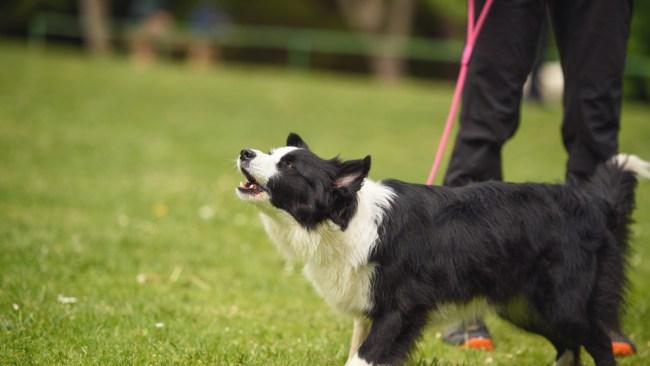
<point>292,178</point>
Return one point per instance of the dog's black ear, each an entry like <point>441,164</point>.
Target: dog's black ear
<point>346,185</point>
<point>294,140</point>
<point>352,173</point>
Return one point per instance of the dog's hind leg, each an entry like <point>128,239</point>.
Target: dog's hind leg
<point>606,302</point>
<point>568,357</point>
<point>598,344</point>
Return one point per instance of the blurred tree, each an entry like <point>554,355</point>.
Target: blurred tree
<point>16,14</point>
<point>96,23</point>
<point>452,14</point>
<point>454,10</point>
<point>388,24</point>
<point>298,13</point>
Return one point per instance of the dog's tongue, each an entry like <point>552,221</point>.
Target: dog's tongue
<point>250,186</point>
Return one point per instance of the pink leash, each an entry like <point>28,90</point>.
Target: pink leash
<point>473,30</point>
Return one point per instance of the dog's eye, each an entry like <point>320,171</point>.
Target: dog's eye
<point>286,164</point>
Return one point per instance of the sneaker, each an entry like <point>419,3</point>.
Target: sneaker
<point>469,334</point>
<point>622,346</point>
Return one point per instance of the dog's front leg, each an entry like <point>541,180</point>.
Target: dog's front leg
<point>391,337</point>
<point>360,329</point>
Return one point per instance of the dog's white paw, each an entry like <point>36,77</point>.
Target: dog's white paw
<point>566,359</point>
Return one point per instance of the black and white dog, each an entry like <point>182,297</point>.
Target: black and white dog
<point>549,258</point>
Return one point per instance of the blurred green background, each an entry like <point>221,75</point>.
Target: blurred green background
<point>121,239</point>
<point>389,39</point>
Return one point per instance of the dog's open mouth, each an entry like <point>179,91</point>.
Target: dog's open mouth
<point>250,187</point>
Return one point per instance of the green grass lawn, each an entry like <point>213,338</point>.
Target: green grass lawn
<point>117,189</point>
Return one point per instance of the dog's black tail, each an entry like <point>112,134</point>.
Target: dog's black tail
<point>615,182</point>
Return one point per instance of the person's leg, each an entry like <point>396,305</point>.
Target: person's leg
<point>470,333</point>
<point>592,38</point>
<point>503,56</point>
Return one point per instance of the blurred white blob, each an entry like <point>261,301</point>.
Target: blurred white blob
<point>66,299</point>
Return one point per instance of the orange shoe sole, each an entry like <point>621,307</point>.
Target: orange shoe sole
<point>622,349</point>
<point>483,344</point>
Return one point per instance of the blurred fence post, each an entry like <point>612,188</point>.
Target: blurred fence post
<point>96,26</point>
<point>299,49</point>
<point>387,25</point>
<point>37,31</point>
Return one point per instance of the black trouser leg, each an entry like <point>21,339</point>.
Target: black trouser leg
<point>503,57</point>
<point>592,40</point>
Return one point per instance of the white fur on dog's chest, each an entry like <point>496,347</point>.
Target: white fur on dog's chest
<point>343,287</point>
<point>342,279</point>
<point>335,261</point>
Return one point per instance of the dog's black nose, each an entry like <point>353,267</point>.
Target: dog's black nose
<point>246,154</point>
